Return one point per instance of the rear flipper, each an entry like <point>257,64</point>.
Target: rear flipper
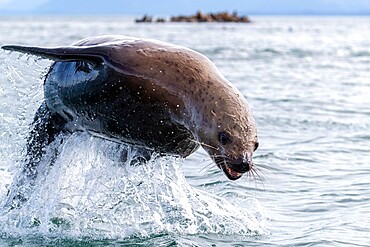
<point>46,127</point>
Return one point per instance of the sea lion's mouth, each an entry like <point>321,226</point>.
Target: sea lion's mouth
<point>233,168</point>
<point>230,173</point>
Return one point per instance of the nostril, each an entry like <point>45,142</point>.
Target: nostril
<point>245,166</point>
<point>242,165</point>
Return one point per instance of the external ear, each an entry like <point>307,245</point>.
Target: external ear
<point>68,53</point>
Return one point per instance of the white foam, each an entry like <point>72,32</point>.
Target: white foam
<point>89,192</point>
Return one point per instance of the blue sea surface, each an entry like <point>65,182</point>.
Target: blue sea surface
<point>308,82</point>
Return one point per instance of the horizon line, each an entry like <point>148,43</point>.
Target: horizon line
<point>27,13</point>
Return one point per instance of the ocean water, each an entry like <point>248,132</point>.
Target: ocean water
<point>308,82</point>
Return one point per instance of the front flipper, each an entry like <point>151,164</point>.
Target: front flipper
<point>46,127</point>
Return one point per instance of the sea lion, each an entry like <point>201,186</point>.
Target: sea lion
<point>166,98</point>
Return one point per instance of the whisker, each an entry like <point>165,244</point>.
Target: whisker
<point>259,174</point>
<point>207,145</point>
<point>265,178</point>
<point>256,174</point>
<point>203,160</point>
<point>211,169</point>
<point>262,168</point>
<point>255,171</point>
<point>207,167</point>
<point>203,144</point>
<point>220,157</point>
<point>255,180</point>
<point>225,164</point>
<point>219,162</point>
<point>208,160</point>
<point>248,176</point>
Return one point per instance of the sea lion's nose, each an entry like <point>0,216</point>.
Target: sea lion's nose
<point>242,164</point>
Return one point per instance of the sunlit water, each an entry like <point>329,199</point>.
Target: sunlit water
<point>307,80</point>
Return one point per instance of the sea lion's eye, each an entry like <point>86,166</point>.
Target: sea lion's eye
<point>224,138</point>
<point>256,146</point>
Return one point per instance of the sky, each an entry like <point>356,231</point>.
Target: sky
<point>175,7</point>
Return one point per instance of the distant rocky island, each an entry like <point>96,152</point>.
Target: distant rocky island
<point>199,17</point>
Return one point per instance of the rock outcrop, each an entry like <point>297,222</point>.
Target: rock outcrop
<point>200,17</point>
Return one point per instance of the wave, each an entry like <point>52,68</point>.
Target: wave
<point>90,193</point>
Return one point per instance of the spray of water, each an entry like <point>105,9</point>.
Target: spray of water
<point>90,192</point>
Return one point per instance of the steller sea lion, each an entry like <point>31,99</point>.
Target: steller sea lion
<point>166,98</point>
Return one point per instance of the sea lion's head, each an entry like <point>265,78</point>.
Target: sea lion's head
<point>228,132</point>
<point>231,145</point>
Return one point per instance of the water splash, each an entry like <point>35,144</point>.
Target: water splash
<point>90,193</point>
